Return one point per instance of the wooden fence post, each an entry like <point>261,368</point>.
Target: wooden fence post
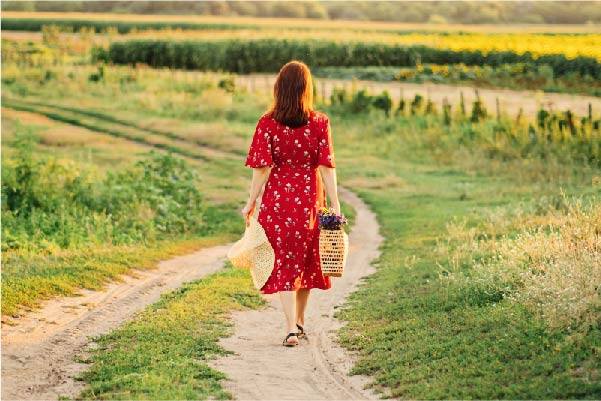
<point>498,109</point>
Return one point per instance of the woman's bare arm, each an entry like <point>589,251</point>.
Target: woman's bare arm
<point>328,176</point>
<point>258,179</point>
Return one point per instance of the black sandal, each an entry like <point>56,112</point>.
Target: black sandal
<point>301,333</point>
<point>286,343</point>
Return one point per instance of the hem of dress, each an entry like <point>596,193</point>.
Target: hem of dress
<point>310,288</point>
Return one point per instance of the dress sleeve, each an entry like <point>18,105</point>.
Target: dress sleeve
<point>259,154</point>
<point>325,147</point>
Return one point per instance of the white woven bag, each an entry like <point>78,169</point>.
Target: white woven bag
<point>253,252</point>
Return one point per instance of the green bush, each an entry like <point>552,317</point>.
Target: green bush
<point>516,76</point>
<point>268,55</point>
<point>417,104</point>
<point>49,201</point>
<point>339,96</point>
<point>97,76</point>
<point>228,84</point>
<point>560,135</point>
<point>383,102</point>
<point>163,183</point>
<point>361,102</point>
<point>479,112</point>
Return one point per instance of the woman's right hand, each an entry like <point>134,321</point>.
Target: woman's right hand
<point>247,211</point>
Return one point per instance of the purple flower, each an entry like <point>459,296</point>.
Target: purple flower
<point>328,220</point>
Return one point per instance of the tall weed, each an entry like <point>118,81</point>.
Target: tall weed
<point>50,204</point>
<point>549,262</point>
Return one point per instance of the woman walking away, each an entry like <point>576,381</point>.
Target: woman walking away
<point>292,145</point>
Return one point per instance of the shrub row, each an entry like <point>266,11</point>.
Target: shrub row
<point>560,133</point>
<point>52,201</point>
<point>75,25</point>
<point>267,55</point>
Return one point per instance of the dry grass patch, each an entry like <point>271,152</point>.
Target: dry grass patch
<point>388,181</point>
<point>161,124</point>
<point>550,263</point>
<point>275,23</point>
<point>70,136</point>
<point>25,117</point>
<point>214,135</point>
<point>158,140</point>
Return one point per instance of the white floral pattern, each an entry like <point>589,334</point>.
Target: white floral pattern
<point>293,193</point>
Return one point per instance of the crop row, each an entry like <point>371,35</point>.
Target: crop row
<point>267,55</point>
<point>75,25</point>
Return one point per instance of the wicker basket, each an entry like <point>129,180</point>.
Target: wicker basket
<point>333,248</point>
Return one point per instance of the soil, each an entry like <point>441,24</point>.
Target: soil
<point>317,369</point>
<point>40,352</point>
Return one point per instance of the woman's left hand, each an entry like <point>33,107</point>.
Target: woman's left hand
<point>247,211</point>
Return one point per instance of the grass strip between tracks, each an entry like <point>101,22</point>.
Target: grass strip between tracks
<point>160,354</point>
<point>115,127</point>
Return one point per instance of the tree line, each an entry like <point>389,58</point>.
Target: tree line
<point>473,12</point>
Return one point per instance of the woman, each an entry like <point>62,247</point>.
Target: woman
<point>292,144</point>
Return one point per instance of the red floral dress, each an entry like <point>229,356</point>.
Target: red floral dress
<point>293,193</point>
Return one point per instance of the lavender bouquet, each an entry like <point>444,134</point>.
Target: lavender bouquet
<point>329,220</point>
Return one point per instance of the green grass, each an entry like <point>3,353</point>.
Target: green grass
<point>416,335</point>
<point>420,338</point>
<point>106,126</point>
<point>162,353</point>
<point>420,342</point>
<point>29,279</point>
<point>509,76</point>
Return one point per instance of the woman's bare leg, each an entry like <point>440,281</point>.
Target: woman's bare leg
<point>302,297</point>
<point>288,299</point>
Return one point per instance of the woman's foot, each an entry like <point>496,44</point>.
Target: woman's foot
<point>291,340</point>
<point>301,331</point>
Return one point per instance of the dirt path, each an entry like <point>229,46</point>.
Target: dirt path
<point>38,354</point>
<point>510,100</point>
<point>262,369</point>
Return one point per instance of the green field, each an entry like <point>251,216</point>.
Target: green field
<point>486,287</point>
<point>553,58</point>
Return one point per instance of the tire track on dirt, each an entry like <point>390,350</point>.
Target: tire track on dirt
<point>262,369</point>
<point>127,130</point>
<point>40,353</point>
<point>511,100</point>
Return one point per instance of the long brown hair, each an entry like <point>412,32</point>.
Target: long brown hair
<point>292,95</point>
